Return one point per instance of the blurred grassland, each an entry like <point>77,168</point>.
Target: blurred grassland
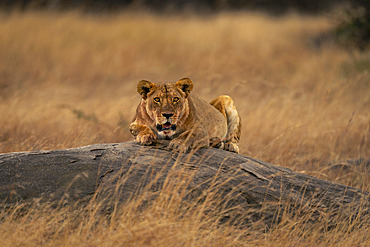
<point>68,80</point>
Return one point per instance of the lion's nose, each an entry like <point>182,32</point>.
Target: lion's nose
<point>167,115</point>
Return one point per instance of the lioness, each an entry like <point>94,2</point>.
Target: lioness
<point>167,111</point>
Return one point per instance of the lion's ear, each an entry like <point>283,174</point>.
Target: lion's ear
<point>186,85</point>
<point>144,87</point>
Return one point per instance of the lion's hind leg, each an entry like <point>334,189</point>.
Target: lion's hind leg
<point>226,106</point>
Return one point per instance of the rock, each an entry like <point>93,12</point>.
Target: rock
<point>127,169</point>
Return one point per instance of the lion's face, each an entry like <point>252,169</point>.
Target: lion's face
<point>166,104</point>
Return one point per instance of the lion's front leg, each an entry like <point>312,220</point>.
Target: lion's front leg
<point>190,139</point>
<point>143,134</point>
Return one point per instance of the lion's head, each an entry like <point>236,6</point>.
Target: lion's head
<point>166,104</point>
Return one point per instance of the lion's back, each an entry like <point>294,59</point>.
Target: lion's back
<point>211,119</point>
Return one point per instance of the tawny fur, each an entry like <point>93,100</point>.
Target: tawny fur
<point>169,111</point>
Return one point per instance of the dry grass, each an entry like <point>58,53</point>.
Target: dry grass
<point>169,220</point>
<point>68,80</point>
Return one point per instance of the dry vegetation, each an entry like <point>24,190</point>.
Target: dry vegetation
<point>69,80</point>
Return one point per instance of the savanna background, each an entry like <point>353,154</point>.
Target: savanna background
<point>298,73</point>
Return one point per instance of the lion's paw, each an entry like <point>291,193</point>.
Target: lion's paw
<point>216,142</point>
<point>147,139</point>
<point>232,147</point>
<point>179,145</point>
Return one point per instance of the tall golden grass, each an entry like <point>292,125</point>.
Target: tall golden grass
<point>171,219</point>
<point>69,79</point>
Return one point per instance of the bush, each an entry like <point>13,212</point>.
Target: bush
<point>354,30</point>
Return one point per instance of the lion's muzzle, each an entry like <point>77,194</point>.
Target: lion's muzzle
<point>166,126</point>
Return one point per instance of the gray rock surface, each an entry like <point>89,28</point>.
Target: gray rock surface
<point>75,174</point>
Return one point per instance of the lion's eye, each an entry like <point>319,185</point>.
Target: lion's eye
<point>176,99</point>
<point>156,99</point>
